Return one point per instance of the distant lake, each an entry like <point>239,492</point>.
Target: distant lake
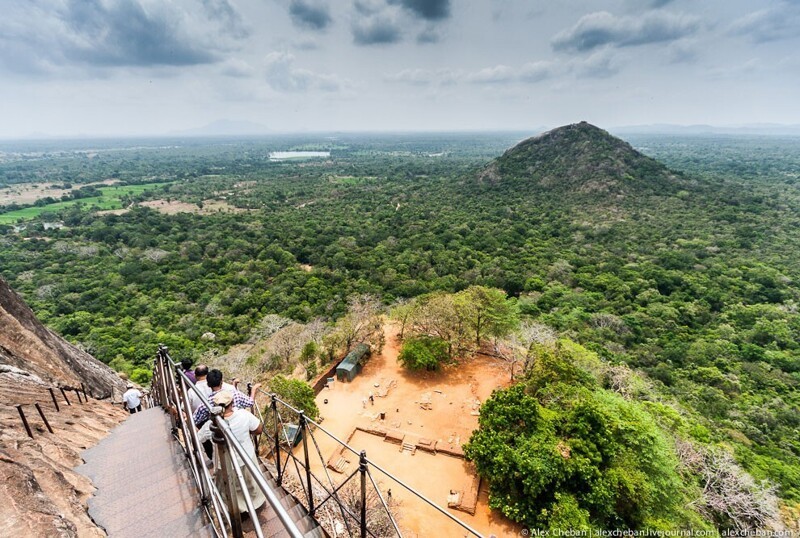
<point>286,155</point>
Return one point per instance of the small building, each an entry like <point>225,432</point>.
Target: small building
<point>353,363</point>
<point>291,435</point>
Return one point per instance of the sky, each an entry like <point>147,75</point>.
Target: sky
<point>154,67</point>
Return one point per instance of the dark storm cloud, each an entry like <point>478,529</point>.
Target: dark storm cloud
<point>124,34</point>
<point>47,36</point>
<point>310,14</point>
<point>773,24</point>
<point>432,10</point>
<point>376,31</point>
<point>375,23</point>
<point>602,28</point>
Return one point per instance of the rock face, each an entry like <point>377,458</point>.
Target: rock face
<point>42,495</point>
<point>33,349</point>
<point>583,159</point>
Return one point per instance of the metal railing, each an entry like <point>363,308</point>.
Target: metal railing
<point>292,428</point>
<point>171,389</point>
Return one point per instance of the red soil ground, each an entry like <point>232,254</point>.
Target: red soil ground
<point>455,395</point>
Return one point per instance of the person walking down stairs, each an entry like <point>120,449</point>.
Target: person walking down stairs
<point>132,399</point>
<point>243,425</point>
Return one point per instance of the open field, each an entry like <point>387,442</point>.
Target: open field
<point>109,200</point>
<point>28,193</point>
<point>174,207</point>
<point>454,396</point>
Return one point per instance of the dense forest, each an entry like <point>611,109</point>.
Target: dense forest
<point>684,274</point>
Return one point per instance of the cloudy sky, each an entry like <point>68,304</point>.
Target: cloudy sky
<point>106,67</point>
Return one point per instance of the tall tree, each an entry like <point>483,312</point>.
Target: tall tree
<point>487,312</point>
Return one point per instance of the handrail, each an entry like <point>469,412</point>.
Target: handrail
<point>230,441</point>
<point>362,458</point>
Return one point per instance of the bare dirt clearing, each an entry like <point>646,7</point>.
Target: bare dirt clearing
<point>173,207</point>
<point>453,397</point>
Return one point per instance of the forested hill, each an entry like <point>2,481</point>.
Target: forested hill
<point>580,158</point>
<point>689,277</point>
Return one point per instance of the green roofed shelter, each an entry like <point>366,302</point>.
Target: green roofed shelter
<point>352,364</point>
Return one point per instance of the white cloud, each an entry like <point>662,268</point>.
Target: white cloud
<point>234,67</point>
<point>529,73</point>
<point>604,29</point>
<point>492,75</point>
<point>772,24</point>
<point>283,76</point>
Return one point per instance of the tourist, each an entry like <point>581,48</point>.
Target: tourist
<point>243,425</point>
<point>186,365</point>
<point>201,384</point>
<point>200,374</point>
<point>132,399</point>
<point>216,385</point>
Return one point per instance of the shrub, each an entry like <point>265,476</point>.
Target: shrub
<point>423,353</point>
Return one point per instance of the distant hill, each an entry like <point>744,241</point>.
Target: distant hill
<point>754,129</point>
<point>580,158</point>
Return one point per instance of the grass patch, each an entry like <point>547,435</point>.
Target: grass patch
<point>110,199</point>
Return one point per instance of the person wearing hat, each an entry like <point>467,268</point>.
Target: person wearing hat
<point>132,399</point>
<point>243,425</point>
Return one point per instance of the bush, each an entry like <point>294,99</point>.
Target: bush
<point>296,393</point>
<point>423,353</point>
<point>559,450</point>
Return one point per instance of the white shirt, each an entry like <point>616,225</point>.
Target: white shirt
<point>241,422</point>
<point>132,398</point>
<point>202,386</point>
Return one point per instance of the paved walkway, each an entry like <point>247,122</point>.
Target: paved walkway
<point>144,485</point>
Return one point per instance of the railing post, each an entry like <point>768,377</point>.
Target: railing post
<point>24,420</point>
<point>192,440</point>
<point>227,477</point>
<point>304,432</point>
<point>362,467</point>
<point>155,386</point>
<point>64,394</point>
<point>44,418</point>
<point>55,402</point>
<point>279,478</point>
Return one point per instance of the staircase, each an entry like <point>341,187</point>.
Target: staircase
<point>144,485</point>
<point>307,524</point>
<point>408,447</point>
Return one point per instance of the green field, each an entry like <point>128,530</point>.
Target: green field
<point>110,199</point>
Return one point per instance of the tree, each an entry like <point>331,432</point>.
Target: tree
<point>730,497</point>
<point>423,353</point>
<point>557,449</point>
<point>487,312</point>
<point>287,342</point>
<point>435,315</point>
<point>521,345</point>
<point>296,393</point>
<point>402,311</point>
<point>361,323</point>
